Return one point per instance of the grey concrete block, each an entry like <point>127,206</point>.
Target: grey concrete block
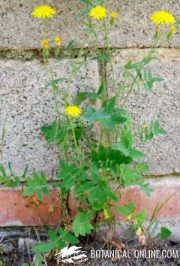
<point>20,30</point>
<point>122,232</point>
<point>162,102</point>
<point>28,106</point>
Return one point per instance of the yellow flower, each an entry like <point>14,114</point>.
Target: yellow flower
<point>162,17</point>
<point>45,43</point>
<point>114,15</point>
<point>73,110</point>
<point>98,12</point>
<point>172,29</point>
<point>57,40</point>
<point>43,11</point>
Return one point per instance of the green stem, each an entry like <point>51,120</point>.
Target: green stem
<point>44,29</point>
<point>130,90</point>
<point>75,141</point>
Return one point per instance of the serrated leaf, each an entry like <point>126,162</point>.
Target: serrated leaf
<point>48,246</point>
<point>53,133</point>
<point>97,197</point>
<point>81,224</point>
<point>106,117</point>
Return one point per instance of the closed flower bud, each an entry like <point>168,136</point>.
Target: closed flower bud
<point>57,40</point>
<point>45,43</point>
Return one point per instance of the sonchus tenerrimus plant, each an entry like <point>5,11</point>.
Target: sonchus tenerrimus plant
<point>93,131</point>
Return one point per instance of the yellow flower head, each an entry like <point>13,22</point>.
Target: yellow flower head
<point>98,12</point>
<point>73,110</point>
<point>43,11</point>
<point>57,40</point>
<point>45,43</point>
<point>162,17</point>
<point>114,15</point>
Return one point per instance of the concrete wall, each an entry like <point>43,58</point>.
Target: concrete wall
<point>22,76</point>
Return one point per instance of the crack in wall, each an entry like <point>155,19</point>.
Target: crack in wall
<point>28,54</point>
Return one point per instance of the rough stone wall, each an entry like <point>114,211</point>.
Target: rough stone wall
<point>22,76</point>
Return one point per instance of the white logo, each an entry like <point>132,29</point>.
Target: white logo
<point>72,255</point>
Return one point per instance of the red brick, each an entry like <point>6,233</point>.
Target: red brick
<point>161,193</point>
<point>18,211</point>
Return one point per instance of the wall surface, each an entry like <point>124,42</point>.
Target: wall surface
<point>27,106</point>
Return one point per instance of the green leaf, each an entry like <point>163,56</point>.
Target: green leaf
<point>97,197</point>
<point>149,132</point>
<point>139,65</point>
<point>126,209</point>
<point>106,117</point>
<point>36,184</point>
<point>58,240</point>
<point>129,176</point>
<point>149,79</point>
<point>145,187</point>
<point>142,167</point>
<point>101,89</point>
<point>54,133</point>
<point>126,145</point>
<point>126,138</point>
<point>109,104</point>
<point>81,96</point>
<point>141,216</point>
<point>156,129</point>
<point>82,188</point>
<point>47,247</point>
<point>164,233</point>
<point>9,179</point>
<point>78,132</point>
<point>103,57</point>
<point>81,224</point>
<point>136,154</point>
<point>121,148</point>
<point>109,157</point>
<point>67,237</point>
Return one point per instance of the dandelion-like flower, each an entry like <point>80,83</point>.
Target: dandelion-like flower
<point>57,40</point>
<point>162,17</point>
<point>72,111</point>
<point>98,12</point>
<point>114,15</point>
<point>43,11</point>
<point>45,43</point>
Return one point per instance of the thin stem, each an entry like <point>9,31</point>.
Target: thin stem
<point>75,141</point>
<point>44,29</point>
<point>130,90</point>
<point>3,137</point>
